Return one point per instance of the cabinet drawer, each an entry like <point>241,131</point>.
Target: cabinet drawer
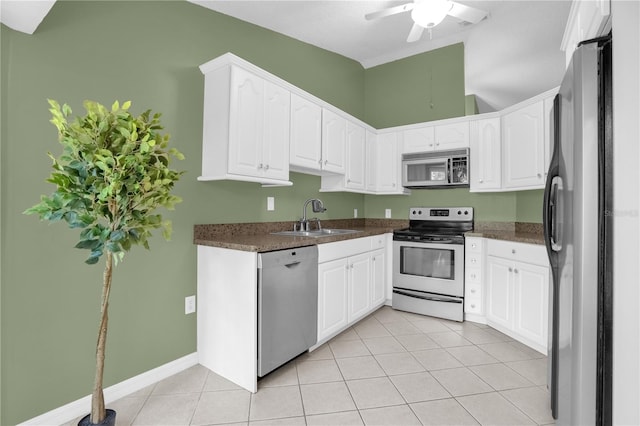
<point>378,241</point>
<point>473,305</point>
<point>473,245</point>
<point>473,290</point>
<point>473,260</point>
<point>473,276</point>
<point>521,252</point>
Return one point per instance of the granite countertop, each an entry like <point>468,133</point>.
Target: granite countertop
<point>258,237</point>
<point>531,233</point>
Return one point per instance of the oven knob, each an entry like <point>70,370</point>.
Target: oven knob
<point>466,212</point>
<point>459,212</point>
<point>419,211</point>
<point>414,212</point>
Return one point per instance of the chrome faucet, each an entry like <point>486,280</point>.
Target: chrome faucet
<point>317,207</point>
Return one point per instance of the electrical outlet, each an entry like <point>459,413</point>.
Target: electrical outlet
<point>189,305</point>
<point>355,213</point>
<point>387,213</point>
<point>271,204</point>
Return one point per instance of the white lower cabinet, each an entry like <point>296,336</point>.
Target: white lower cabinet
<point>333,292</point>
<point>351,283</point>
<point>473,280</point>
<point>378,274</point>
<point>359,284</point>
<point>518,291</point>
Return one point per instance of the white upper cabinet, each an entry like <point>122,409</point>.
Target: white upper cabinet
<point>356,157</point>
<point>523,147</point>
<point>334,136</point>
<point>452,136</point>
<point>371,172</point>
<point>387,164</point>
<point>418,140</point>
<point>306,134</point>
<point>437,137</point>
<point>246,128</point>
<point>485,155</point>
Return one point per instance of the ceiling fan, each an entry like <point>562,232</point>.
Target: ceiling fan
<point>429,13</point>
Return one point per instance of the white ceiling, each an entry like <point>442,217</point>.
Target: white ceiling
<point>509,57</point>
<point>512,55</point>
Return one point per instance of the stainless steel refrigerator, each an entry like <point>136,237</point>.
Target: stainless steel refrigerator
<point>578,232</point>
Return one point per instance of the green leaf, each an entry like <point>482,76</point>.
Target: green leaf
<point>115,106</point>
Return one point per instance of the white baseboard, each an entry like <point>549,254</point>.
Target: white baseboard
<point>81,407</point>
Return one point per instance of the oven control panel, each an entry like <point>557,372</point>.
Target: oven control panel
<point>441,213</point>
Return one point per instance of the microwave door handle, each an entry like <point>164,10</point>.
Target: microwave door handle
<point>448,173</point>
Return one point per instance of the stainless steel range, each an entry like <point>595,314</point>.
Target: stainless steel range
<point>428,262</point>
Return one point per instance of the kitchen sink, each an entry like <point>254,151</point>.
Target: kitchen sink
<point>317,232</point>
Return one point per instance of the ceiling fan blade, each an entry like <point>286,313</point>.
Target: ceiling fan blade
<point>415,33</point>
<point>388,12</point>
<point>467,13</point>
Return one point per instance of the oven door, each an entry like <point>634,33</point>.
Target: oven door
<point>429,267</point>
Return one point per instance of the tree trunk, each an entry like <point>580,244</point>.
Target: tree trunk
<point>98,411</point>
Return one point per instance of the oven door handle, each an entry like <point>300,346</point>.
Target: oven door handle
<point>438,241</point>
<point>433,298</point>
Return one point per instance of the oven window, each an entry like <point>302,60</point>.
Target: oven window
<point>427,262</point>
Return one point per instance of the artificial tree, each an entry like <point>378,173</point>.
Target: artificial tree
<point>111,177</point>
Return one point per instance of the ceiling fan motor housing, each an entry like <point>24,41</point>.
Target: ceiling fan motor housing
<point>429,13</point>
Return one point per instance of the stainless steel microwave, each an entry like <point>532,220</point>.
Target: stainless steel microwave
<point>436,169</point>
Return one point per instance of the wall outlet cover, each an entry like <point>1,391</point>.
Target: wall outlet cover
<point>355,213</point>
<point>271,204</point>
<point>387,213</point>
<point>189,305</point>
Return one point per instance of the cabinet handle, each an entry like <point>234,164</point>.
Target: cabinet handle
<point>510,269</point>
<point>473,260</point>
<point>393,185</point>
<point>259,166</point>
<point>438,144</point>
<point>473,245</point>
<point>320,161</point>
<point>515,270</point>
<point>473,290</point>
<point>266,167</point>
<point>539,175</point>
<point>473,305</point>
<point>348,180</point>
<point>325,162</point>
<point>481,181</point>
<point>473,276</point>
<point>513,251</point>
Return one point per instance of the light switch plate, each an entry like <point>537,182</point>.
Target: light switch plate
<point>271,204</point>
<point>387,213</point>
<point>355,213</point>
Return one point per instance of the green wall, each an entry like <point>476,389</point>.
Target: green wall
<point>148,52</point>
<point>424,87</point>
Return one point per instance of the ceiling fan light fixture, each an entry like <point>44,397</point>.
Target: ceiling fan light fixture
<point>429,13</point>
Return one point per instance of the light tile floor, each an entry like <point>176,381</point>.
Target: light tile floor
<point>392,368</point>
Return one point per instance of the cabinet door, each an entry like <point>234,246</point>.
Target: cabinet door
<point>452,136</point>
<point>418,140</point>
<point>359,286</point>
<point>334,135</point>
<point>332,297</point>
<point>356,157</point>
<point>523,145</point>
<point>387,163</point>
<point>531,300</point>
<point>499,292</point>
<point>246,120</point>
<point>306,130</point>
<point>485,155</point>
<point>275,151</point>
<point>371,166</point>
<point>378,278</point>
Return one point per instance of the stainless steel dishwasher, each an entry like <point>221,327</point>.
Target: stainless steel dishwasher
<point>287,305</point>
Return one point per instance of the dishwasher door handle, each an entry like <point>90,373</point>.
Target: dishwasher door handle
<point>292,264</point>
